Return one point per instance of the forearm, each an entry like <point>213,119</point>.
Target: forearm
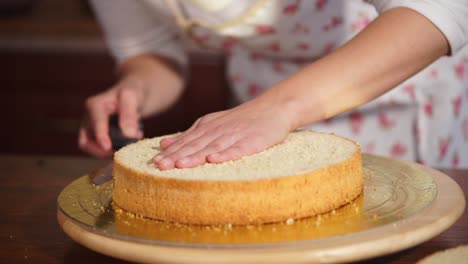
<point>160,80</point>
<point>394,47</point>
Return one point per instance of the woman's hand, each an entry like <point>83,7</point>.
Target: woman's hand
<point>148,85</point>
<point>226,135</point>
<point>126,99</point>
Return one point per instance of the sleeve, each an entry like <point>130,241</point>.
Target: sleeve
<point>449,16</point>
<point>132,28</point>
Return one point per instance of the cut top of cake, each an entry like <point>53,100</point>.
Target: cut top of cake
<point>300,153</point>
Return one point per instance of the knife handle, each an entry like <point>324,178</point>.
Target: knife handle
<point>116,135</point>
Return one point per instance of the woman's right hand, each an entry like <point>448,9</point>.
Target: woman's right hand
<point>124,99</point>
<point>148,85</point>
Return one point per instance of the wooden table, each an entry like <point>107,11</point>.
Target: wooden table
<point>29,233</point>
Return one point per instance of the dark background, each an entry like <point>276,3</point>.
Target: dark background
<point>53,56</point>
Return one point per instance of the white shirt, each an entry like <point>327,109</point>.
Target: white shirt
<point>135,27</point>
<point>425,118</point>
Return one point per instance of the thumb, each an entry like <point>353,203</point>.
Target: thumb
<point>128,113</point>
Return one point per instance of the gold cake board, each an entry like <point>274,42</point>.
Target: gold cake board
<point>404,204</point>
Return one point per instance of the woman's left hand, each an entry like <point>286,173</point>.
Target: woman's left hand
<point>226,135</point>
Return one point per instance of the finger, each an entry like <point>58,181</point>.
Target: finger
<point>168,159</point>
<point>82,138</point>
<point>87,145</point>
<point>200,157</point>
<point>172,144</point>
<point>166,142</point>
<point>99,111</point>
<point>244,147</point>
<point>128,113</point>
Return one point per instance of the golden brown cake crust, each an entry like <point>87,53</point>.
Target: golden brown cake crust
<point>238,202</point>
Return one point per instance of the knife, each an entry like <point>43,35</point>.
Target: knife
<point>104,174</point>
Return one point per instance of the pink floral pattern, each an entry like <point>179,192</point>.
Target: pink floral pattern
<point>460,69</point>
<point>334,22</point>
<point>456,102</point>
<point>275,47</point>
<point>398,150</point>
<point>278,67</point>
<point>265,29</point>
<point>303,46</point>
<point>455,160</point>
<point>320,4</point>
<point>229,43</point>
<point>385,121</point>
<point>410,90</point>
<point>328,48</point>
<point>254,90</point>
<point>356,121</point>
<point>361,22</point>
<point>434,73</point>
<point>299,28</point>
<point>424,119</point>
<point>429,107</point>
<point>291,8</point>
<point>444,144</point>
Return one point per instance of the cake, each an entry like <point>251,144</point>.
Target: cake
<point>309,173</point>
<point>345,220</point>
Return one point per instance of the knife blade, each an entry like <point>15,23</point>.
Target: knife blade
<point>103,175</point>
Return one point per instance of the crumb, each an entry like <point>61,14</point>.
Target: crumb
<point>290,221</point>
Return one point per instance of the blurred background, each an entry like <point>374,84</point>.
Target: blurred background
<point>53,56</point>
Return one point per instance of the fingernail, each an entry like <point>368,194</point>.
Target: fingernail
<point>130,131</point>
<point>140,134</point>
<point>106,145</point>
<point>81,141</point>
<point>213,158</point>
<point>158,158</point>
<point>184,161</point>
<point>164,162</point>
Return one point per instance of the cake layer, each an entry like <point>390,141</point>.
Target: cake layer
<point>310,173</point>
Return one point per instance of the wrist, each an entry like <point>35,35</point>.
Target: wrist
<point>155,79</point>
<point>298,107</point>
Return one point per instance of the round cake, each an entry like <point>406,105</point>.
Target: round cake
<point>308,174</point>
